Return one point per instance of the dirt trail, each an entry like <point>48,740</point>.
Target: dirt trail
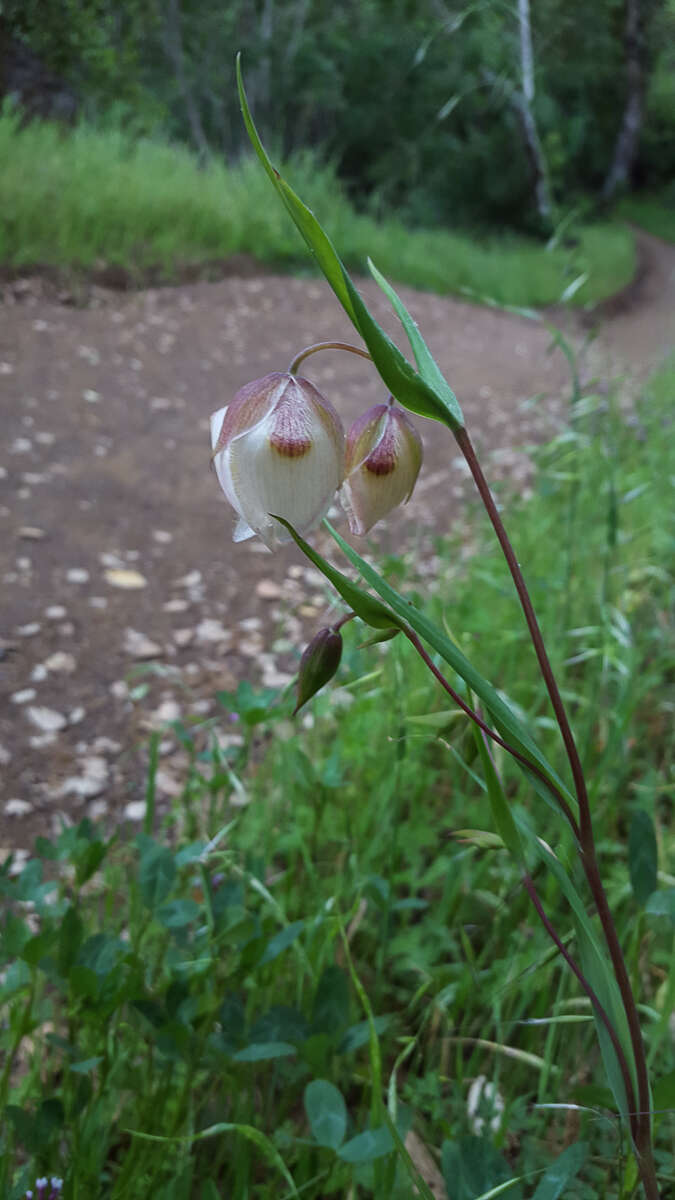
<point>104,481</point>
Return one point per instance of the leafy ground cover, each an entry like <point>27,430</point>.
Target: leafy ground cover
<point>91,198</point>
<point>318,952</point>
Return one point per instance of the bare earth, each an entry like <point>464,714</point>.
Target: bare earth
<point>115,542</point>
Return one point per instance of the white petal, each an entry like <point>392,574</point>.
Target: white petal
<point>216,420</point>
<point>242,531</point>
<point>260,481</point>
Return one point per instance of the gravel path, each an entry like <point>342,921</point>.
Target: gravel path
<point>115,543</point>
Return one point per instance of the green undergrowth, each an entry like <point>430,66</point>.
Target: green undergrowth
<point>263,992</point>
<point>655,213</point>
<point>92,198</point>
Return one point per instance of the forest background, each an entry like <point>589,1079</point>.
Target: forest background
<point>483,116</point>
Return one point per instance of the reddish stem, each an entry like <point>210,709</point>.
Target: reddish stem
<point>586,841</point>
<point>299,358</point>
<point>413,638</point>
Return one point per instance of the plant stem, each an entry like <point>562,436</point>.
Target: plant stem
<point>325,346</point>
<point>531,890</point>
<point>588,855</point>
<point>466,446</point>
<point>413,638</point>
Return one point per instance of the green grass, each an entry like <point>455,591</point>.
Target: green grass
<point>188,985</point>
<point>89,198</point>
<point>655,213</point>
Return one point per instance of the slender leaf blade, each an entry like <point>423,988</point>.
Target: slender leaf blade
<point>501,812</point>
<point>366,607</point>
<point>642,856</point>
<point>403,382</point>
<point>599,974</point>
<point>318,242</point>
<point>426,363</point>
<point>506,721</point>
<point>561,1172</point>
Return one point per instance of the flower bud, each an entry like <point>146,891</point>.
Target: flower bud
<point>278,449</point>
<point>384,455</point>
<point>320,660</point>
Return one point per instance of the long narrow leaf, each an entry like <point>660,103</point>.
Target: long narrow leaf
<point>501,812</point>
<point>366,607</point>
<point>597,971</point>
<point>426,363</point>
<point>400,378</point>
<point>318,242</point>
<point>506,721</point>
<point>247,1131</point>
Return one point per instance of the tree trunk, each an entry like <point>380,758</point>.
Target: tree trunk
<point>626,146</point>
<point>524,105</point>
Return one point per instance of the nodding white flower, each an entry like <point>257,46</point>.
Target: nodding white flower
<point>278,448</point>
<point>384,456</point>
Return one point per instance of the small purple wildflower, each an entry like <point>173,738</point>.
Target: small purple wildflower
<point>41,1185</point>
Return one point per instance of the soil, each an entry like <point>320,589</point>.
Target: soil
<point>125,603</point>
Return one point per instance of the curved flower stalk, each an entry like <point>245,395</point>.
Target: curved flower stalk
<point>278,450</point>
<point>384,456</point>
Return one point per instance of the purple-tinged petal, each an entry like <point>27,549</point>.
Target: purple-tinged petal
<point>384,456</point>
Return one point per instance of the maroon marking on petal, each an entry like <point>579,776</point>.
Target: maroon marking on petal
<point>382,458</point>
<point>289,437</point>
<point>289,448</point>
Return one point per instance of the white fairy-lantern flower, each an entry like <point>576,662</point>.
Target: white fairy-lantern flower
<point>384,456</point>
<point>278,450</point>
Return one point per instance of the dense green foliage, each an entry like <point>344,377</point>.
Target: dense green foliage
<point>655,213</point>
<point>195,981</point>
<point>88,198</point>
<point>416,103</point>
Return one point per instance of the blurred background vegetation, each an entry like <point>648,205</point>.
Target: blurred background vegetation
<point>476,117</point>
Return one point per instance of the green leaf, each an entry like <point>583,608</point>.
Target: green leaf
<point>642,856</point>
<point>318,242</point>
<point>662,904</point>
<point>599,974</point>
<point>368,1146</point>
<point>561,1172</point>
<point>664,1091</point>
<point>359,1035</point>
<point>331,1008</point>
<point>505,720</point>
<point>365,606</point>
<point>472,1167</point>
<point>247,1131</point>
<point>15,978</point>
<point>403,382</point>
<point>101,953</point>
<point>176,914</point>
<point>499,806</point>
<point>253,705</point>
<point>426,363</point>
<point>280,1024</point>
<point>86,1065</point>
<point>262,1051</point>
<point>281,941</point>
<point>421,1186</point>
<point>484,839</point>
<point>71,935</point>
<point>326,1113</point>
<point>156,871</point>
<point>35,1130</point>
